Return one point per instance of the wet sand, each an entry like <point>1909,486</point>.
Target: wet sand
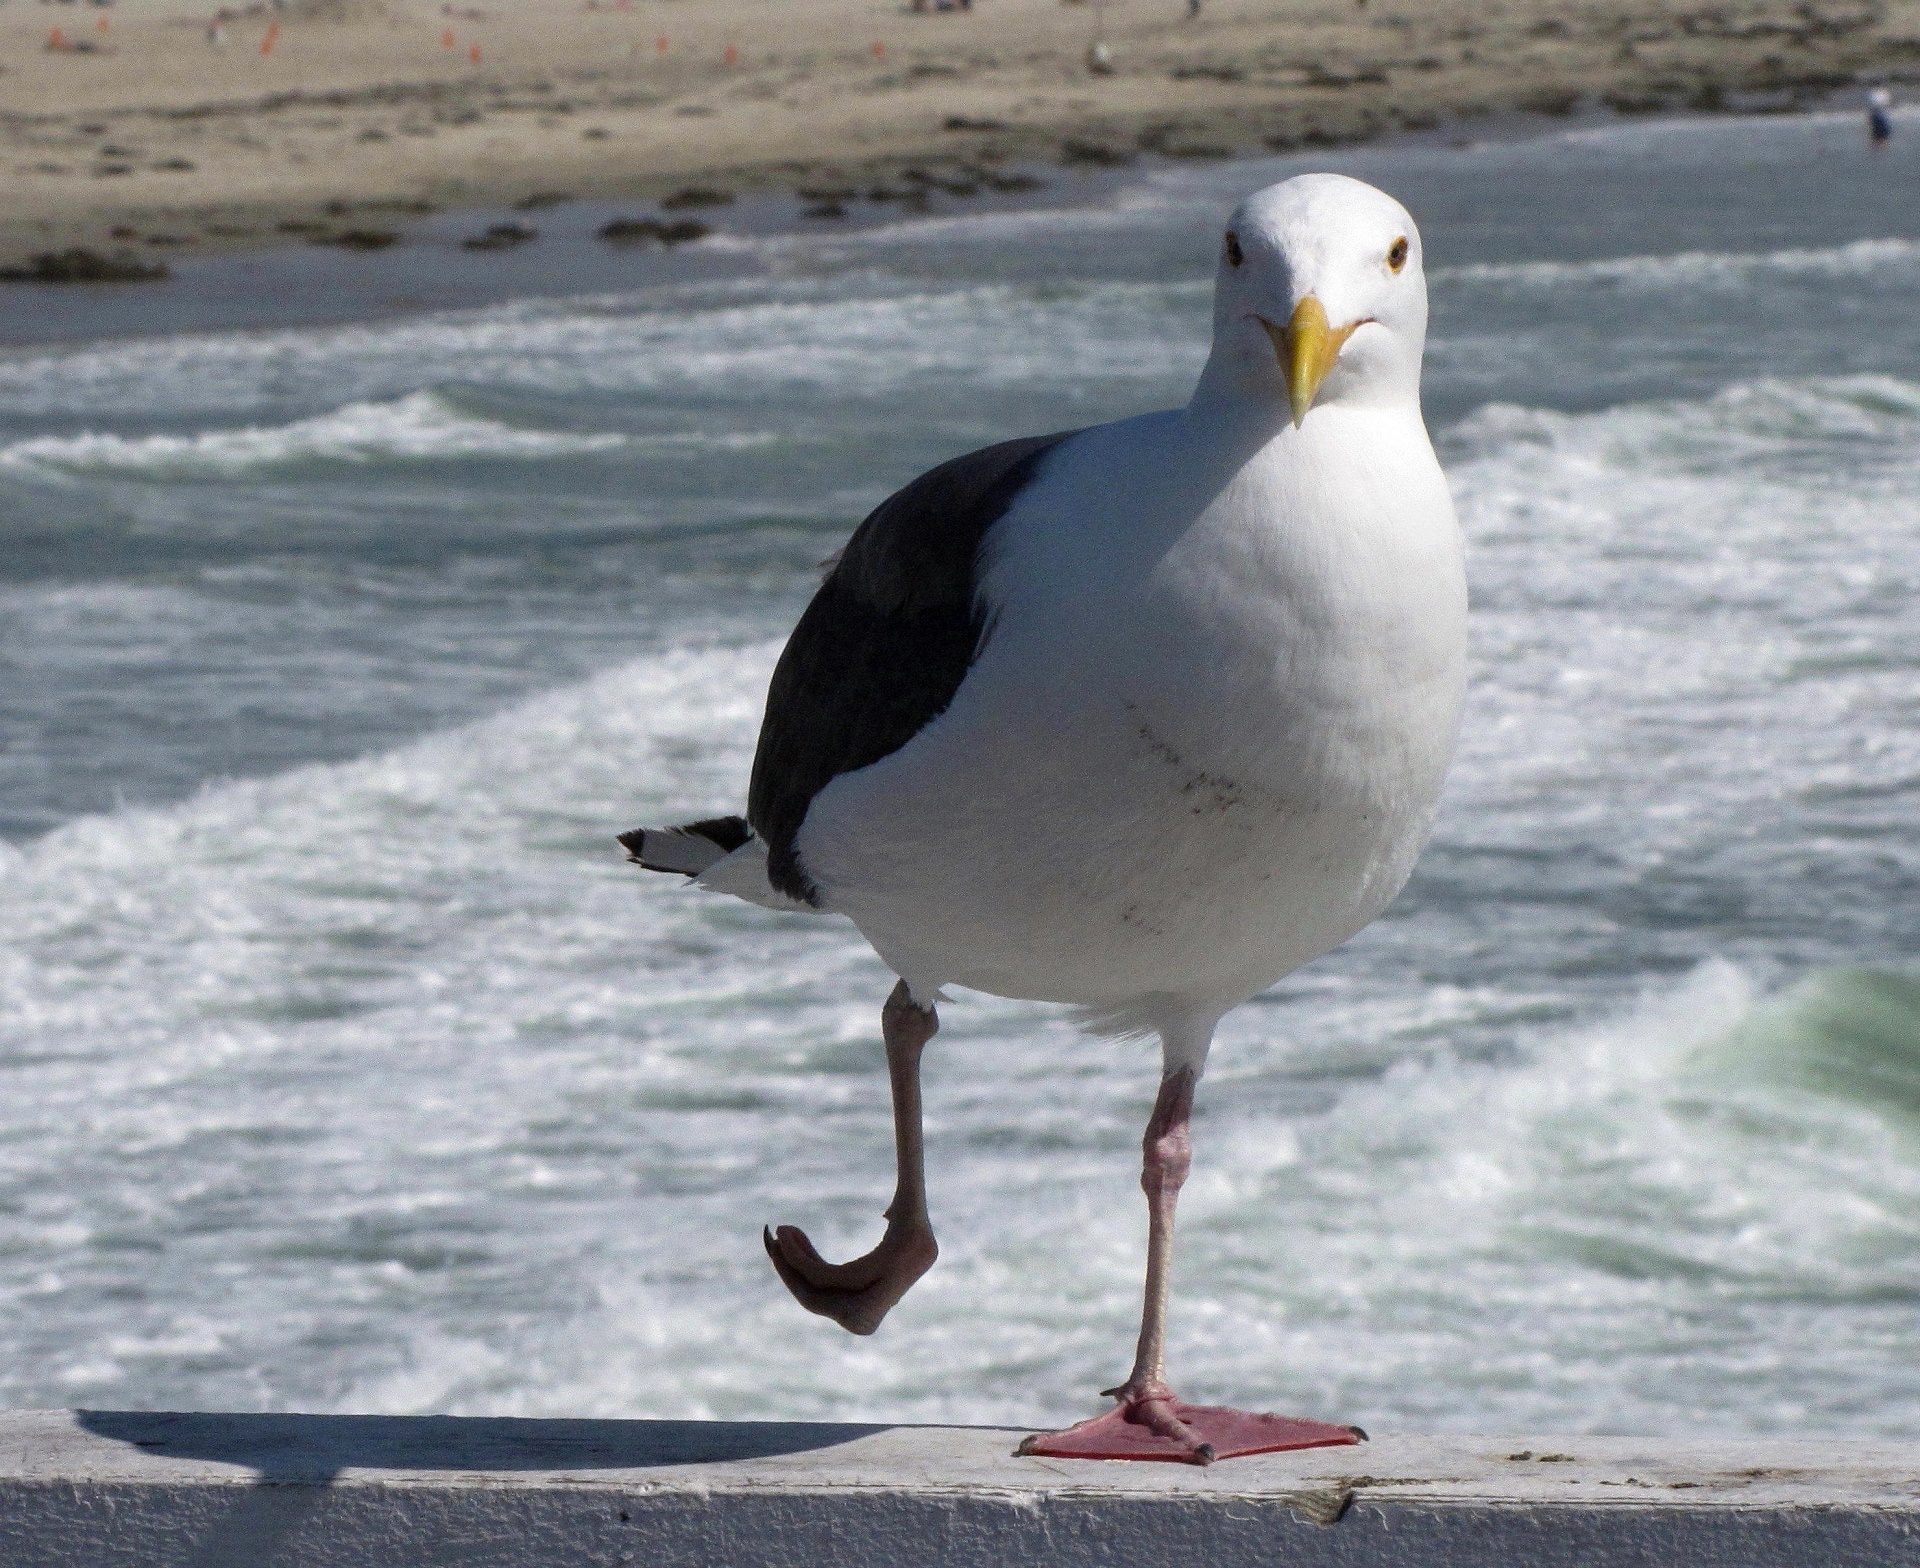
<point>138,132</point>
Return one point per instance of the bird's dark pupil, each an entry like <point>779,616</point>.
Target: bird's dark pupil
<point>1397,257</point>
<point>1234,258</point>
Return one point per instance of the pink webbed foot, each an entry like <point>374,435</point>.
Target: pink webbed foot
<point>1152,1423</point>
<point>856,1295</point>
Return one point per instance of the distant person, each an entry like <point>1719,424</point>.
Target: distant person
<point>1879,116</point>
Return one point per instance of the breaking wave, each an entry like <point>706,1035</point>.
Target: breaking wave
<point>421,427</point>
<point>1691,269</point>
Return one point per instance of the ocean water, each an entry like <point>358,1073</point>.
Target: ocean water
<point>347,1067</point>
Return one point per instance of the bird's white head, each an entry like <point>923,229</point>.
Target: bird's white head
<point>1320,298</point>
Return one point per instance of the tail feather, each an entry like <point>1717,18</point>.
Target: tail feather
<point>688,849</point>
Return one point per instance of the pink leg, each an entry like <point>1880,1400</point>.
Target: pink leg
<point>1150,1422</point>
<point>859,1294</point>
<point>1167,1156</point>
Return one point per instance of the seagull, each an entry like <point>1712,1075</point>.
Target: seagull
<point>1138,718</point>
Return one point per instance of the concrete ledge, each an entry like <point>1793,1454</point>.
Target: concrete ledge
<point>92,1489</point>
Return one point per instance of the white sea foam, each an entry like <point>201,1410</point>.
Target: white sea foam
<point>1694,269</point>
<point>421,427</point>
<point>1870,419</point>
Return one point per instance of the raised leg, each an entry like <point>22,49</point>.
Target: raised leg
<point>857,1295</point>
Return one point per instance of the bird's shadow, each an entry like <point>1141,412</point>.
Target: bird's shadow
<point>295,1458</point>
<point>313,1450</point>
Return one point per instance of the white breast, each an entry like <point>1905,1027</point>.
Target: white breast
<point>1206,736</point>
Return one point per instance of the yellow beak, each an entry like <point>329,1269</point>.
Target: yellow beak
<point>1307,348</point>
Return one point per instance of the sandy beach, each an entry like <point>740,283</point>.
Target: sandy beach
<point>143,127</point>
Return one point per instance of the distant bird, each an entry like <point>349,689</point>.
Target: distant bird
<point>1139,718</point>
<point>1879,116</point>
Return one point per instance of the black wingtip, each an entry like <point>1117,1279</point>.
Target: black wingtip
<point>728,832</point>
<point>686,850</point>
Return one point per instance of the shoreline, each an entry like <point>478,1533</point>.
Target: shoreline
<point>334,121</point>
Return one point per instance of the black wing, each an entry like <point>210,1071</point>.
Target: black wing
<point>885,643</point>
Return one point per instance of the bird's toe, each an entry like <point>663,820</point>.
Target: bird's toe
<point>856,1295</point>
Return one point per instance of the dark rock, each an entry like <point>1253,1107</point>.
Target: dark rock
<point>825,209</point>
<point>1324,76</point>
<point>540,199</point>
<point>652,231</point>
<point>1550,100</point>
<point>502,236</point>
<point>1097,154</point>
<point>696,196</point>
<point>961,122</point>
<point>359,239</point>
<point>83,266</point>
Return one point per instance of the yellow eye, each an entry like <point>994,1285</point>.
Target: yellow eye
<point>1234,254</point>
<point>1397,256</point>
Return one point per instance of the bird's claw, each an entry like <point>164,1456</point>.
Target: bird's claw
<point>1153,1406</point>
<point>857,1294</point>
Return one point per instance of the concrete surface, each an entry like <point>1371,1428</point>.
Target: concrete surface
<point>96,1489</point>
